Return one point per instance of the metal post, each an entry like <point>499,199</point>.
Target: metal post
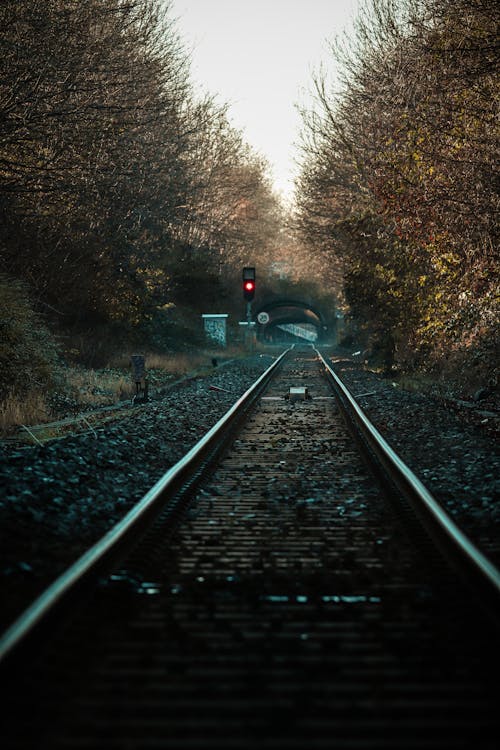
<point>249,332</point>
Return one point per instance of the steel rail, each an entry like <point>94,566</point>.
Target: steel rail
<point>111,546</point>
<point>477,570</point>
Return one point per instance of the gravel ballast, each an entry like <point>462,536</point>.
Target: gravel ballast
<point>61,497</point>
<point>450,446</point>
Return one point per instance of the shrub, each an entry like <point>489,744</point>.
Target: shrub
<point>28,352</point>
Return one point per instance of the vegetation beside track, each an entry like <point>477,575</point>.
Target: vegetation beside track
<point>128,204</point>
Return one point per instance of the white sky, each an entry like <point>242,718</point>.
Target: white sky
<point>259,56</point>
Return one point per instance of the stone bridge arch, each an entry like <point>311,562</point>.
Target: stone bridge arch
<point>286,310</point>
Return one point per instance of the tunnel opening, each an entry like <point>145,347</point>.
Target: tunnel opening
<point>287,319</point>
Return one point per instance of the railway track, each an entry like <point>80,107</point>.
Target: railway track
<point>286,598</point>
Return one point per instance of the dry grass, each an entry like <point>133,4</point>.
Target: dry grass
<point>84,389</point>
<point>87,389</point>
<point>29,409</point>
<point>178,364</point>
<point>175,364</point>
<point>96,387</point>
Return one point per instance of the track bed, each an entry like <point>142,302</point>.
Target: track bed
<point>291,607</point>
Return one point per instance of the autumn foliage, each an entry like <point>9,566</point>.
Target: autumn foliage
<point>399,180</point>
<point>121,191</point>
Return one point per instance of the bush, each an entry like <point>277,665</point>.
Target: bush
<point>28,352</point>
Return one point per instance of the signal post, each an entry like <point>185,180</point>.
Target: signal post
<point>248,295</point>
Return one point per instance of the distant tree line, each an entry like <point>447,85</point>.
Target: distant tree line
<point>123,195</point>
<point>398,188</point>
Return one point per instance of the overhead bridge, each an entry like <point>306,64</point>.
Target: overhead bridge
<point>294,317</point>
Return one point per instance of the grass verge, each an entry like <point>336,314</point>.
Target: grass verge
<point>81,389</point>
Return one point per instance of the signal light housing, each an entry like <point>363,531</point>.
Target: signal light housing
<point>249,283</point>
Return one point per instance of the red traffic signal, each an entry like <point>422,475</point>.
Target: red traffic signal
<point>249,284</point>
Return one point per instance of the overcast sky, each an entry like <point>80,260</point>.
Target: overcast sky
<point>259,56</point>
